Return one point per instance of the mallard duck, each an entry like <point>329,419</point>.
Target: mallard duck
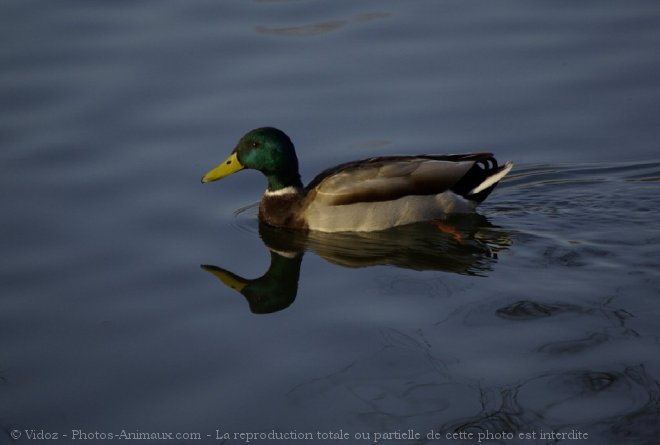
<point>367,195</point>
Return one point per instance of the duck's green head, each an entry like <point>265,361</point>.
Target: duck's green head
<point>266,149</point>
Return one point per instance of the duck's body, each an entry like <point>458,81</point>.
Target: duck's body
<point>372,194</point>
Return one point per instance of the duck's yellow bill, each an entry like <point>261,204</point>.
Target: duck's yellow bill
<point>228,278</point>
<point>231,165</point>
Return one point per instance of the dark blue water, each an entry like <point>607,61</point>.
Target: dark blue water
<point>541,319</point>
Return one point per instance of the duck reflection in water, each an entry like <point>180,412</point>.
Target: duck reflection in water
<point>464,244</point>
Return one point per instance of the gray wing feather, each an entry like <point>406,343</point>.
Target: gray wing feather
<point>383,179</point>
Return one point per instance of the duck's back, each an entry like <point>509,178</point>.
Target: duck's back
<point>378,193</point>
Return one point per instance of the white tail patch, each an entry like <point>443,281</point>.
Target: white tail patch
<point>494,179</point>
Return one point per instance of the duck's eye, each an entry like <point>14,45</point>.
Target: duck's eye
<point>255,144</point>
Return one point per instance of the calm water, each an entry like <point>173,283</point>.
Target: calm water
<point>542,318</point>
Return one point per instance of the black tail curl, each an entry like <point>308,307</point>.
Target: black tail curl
<point>480,171</point>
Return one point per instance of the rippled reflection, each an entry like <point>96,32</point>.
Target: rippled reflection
<point>597,403</point>
<point>321,27</point>
<point>530,310</point>
<point>466,244</point>
<point>409,383</point>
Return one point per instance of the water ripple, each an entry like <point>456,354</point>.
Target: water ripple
<point>319,28</point>
<point>245,218</point>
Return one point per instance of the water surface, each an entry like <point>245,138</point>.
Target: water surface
<point>541,315</point>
